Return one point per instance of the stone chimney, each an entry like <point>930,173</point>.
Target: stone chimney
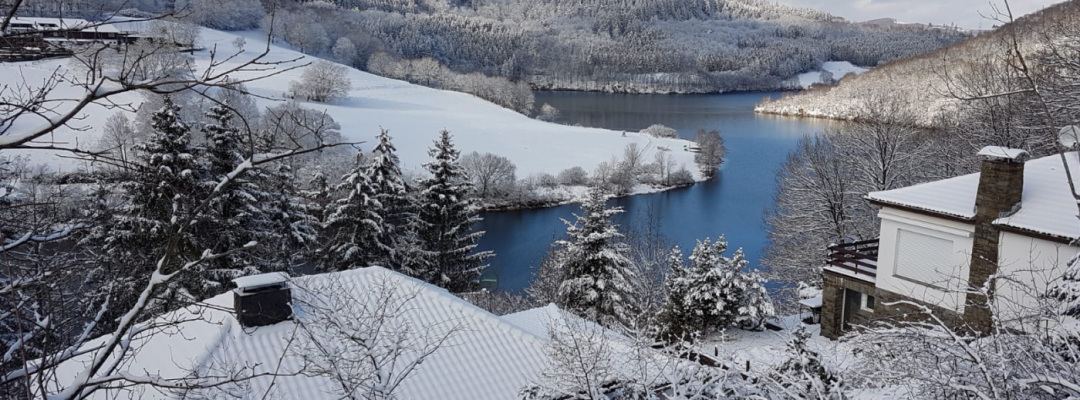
<point>263,299</point>
<point>1001,186</point>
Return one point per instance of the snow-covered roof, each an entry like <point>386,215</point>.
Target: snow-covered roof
<point>485,357</point>
<point>64,23</point>
<point>1047,206</point>
<point>260,280</point>
<point>1002,153</point>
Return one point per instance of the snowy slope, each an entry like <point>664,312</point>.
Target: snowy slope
<point>837,68</point>
<point>413,114</point>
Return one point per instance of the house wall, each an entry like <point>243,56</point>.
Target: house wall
<point>833,308</point>
<point>942,285</point>
<point>1025,266</point>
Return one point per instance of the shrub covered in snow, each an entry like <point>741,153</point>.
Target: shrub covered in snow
<point>322,81</point>
<point>574,176</point>
<point>660,131</point>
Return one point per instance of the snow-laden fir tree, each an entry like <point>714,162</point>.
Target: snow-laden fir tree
<point>675,322</point>
<point>241,212</point>
<point>802,375</point>
<point>354,222</point>
<point>720,292</point>
<point>399,249</point>
<point>446,215</point>
<point>755,305</point>
<point>596,268</point>
<point>1067,291</point>
<point>154,201</point>
<point>714,293</point>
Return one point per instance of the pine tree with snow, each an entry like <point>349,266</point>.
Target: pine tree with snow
<point>239,212</point>
<point>755,305</point>
<point>1067,290</point>
<point>675,322</point>
<point>597,271</point>
<point>399,250</point>
<point>715,294</point>
<point>157,199</point>
<point>446,215</point>
<point>354,222</point>
<point>802,376</point>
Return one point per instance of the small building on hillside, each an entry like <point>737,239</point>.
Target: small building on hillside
<point>1013,224</point>
<point>68,31</point>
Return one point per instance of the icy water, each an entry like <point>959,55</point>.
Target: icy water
<point>731,204</point>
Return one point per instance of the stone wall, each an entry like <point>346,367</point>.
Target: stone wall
<point>832,307</point>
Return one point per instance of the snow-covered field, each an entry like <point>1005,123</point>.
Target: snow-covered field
<point>837,68</point>
<point>413,114</point>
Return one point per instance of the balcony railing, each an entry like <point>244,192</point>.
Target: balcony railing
<point>858,257</point>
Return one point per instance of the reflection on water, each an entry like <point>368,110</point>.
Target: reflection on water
<point>732,204</point>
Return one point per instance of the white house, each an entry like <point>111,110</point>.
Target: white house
<point>1013,224</point>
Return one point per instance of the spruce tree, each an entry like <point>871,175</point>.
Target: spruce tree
<point>802,375</point>
<point>397,245</point>
<point>354,222</point>
<point>446,215</point>
<point>1067,291</point>
<point>236,213</point>
<point>155,202</point>
<point>596,268</point>
<point>675,322</point>
<point>755,305</point>
<point>714,295</point>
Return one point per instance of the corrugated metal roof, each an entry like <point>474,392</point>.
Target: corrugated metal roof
<point>485,357</point>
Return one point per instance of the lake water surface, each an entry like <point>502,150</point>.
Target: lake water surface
<point>731,204</point>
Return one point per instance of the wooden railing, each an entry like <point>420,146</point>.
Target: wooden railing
<point>857,257</point>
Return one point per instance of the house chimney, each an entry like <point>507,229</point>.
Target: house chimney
<point>263,299</point>
<point>1001,187</point>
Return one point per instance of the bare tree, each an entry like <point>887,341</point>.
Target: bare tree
<point>322,81</point>
<point>118,137</point>
<point>492,175</point>
<point>710,153</point>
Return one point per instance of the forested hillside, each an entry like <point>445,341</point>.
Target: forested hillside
<point>947,87</point>
<point>602,45</point>
<point>607,45</point>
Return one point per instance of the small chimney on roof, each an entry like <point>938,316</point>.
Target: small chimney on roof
<point>263,299</point>
<point>1001,187</point>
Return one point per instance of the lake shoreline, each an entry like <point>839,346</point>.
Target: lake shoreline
<point>540,204</point>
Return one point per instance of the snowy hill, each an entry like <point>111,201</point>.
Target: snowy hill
<point>919,83</point>
<point>413,114</point>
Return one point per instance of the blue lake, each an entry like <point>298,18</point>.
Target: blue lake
<point>732,204</point>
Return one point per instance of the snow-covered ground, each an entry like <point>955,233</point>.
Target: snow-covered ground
<point>837,68</point>
<point>413,114</point>
<point>765,349</point>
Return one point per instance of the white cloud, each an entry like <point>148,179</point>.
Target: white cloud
<point>963,13</point>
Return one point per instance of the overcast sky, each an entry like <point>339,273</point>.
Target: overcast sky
<point>964,13</point>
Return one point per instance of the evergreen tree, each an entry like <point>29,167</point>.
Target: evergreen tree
<point>597,270</point>
<point>354,222</point>
<point>675,322</point>
<point>802,375</point>
<point>138,231</point>
<point>399,249</point>
<point>1067,291</point>
<point>236,213</point>
<point>755,305</point>
<point>446,215</point>
<point>714,295</point>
